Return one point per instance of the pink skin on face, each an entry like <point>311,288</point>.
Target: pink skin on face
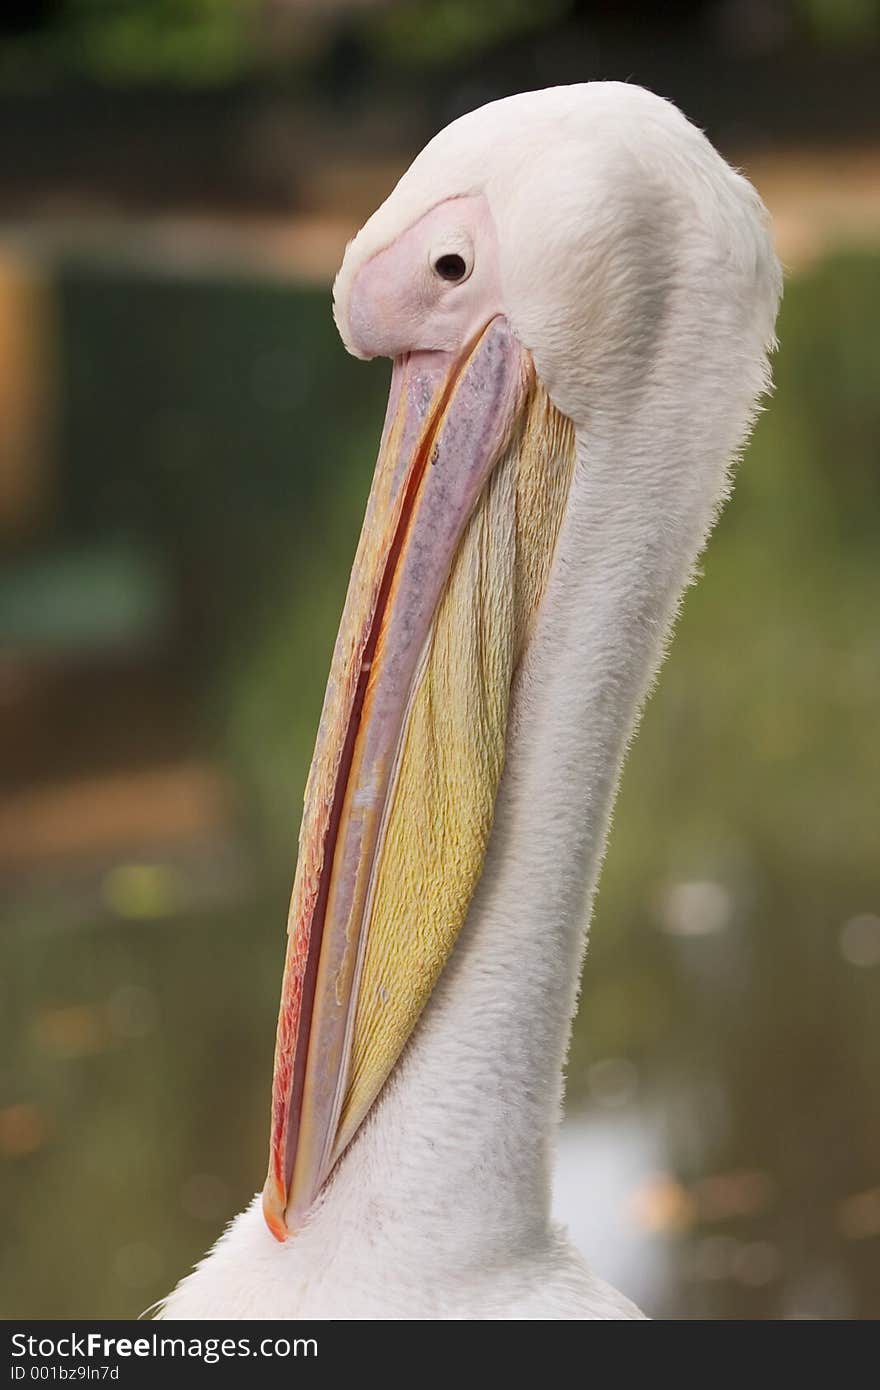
<point>400,303</point>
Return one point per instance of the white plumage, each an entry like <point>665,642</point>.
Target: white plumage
<point>636,267</point>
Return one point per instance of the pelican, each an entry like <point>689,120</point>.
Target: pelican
<point>578,296</point>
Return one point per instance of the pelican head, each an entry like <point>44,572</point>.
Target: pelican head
<point>571,284</point>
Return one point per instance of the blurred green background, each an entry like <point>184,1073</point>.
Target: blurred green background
<point>185,451</point>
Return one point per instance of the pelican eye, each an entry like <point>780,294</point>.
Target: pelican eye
<point>451,267</point>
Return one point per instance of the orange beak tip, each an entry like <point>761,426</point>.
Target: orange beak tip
<point>273,1214</point>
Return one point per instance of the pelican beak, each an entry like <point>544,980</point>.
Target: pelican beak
<point>400,795</point>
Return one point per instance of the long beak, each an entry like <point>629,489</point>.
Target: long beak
<point>448,424</point>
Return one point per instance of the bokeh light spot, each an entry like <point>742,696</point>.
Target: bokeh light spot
<point>23,1129</point>
<point>141,890</point>
<point>860,940</point>
<point>613,1081</point>
<point>699,908</point>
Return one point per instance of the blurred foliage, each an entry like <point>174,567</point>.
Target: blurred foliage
<point>126,42</point>
<point>199,43</point>
<point>437,32</point>
<point>205,423</point>
<point>846,23</point>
